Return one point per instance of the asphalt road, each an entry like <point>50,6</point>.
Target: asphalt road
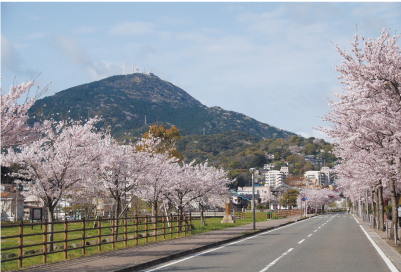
<point>325,243</point>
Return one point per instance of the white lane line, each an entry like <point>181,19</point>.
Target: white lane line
<point>309,235</point>
<point>300,242</point>
<point>381,253</point>
<point>276,260</point>
<point>204,252</point>
<point>318,227</point>
<point>315,230</point>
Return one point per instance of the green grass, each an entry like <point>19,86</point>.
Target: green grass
<point>211,224</point>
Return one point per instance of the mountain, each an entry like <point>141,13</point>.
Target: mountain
<point>126,100</point>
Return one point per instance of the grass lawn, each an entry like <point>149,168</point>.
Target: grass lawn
<point>211,224</point>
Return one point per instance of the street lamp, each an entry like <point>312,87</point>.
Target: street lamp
<point>252,170</point>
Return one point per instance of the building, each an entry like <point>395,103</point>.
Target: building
<point>326,172</point>
<point>270,156</point>
<point>312,159</point>
<point>12,206</point>
<point>285,170</point>
<point>268,166</point>
<point>320,177</point>
<point>274,178</point>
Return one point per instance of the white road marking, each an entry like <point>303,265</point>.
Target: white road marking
<point>315,230</point>
<point>381,253</point>
<point>204,252</point>
<point>301,241</point>
<point>309,235</point>
<point>318,227</point>
<point>276,260</point>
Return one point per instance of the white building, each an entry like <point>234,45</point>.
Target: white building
<point>12,206</point>
<point>285,171</point>
<point>268,166</point>
<point>274,178</point>
<point>322,177</point>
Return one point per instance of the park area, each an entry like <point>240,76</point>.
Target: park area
<point>138,231</point>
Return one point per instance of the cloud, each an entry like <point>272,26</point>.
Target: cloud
<point>316,134</point>
<point>87,29</point>
<point>132,28</point>
<point>70,49</point>
<point>11,59</point>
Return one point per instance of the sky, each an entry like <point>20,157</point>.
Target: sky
<point>274,62</point>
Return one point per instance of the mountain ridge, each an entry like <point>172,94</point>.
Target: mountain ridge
<point>125,100</point>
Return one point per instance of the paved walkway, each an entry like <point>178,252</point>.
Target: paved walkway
<point>140,257</point>
<point>379,237</point>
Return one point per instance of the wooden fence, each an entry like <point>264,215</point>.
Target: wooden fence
<point>141,227</point>
<point>286,213</point>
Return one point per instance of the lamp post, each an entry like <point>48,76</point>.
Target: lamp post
<point>252,170</point>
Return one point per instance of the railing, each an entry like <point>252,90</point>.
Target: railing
<point>137,226</point>
<point>286,213</point>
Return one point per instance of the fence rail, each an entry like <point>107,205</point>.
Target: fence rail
<point>140,227</point>
<point>286,213</point>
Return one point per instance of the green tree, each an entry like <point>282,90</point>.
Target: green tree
<point>289,198</point>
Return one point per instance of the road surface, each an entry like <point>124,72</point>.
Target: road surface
<point>333,242</point>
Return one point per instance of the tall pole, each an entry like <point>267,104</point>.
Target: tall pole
<point>367,206</point>
<point>315,205</point>
<point>253,202</point>
<point>346,205</point>
<point>359,206</point>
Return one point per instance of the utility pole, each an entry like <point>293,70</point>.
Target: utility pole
<point>367,206</point>
<point>252,170</point>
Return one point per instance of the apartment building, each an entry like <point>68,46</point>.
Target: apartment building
<point>274,178</point>
<point>322,177</point>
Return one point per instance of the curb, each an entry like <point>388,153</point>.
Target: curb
<point>195,250</point>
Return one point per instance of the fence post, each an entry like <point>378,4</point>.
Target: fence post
<point>136,229</point>
<point>83,236</point>
<point>65,239</point>
<point>146,229</point>
<point>155,228</point>
<point>171,226</point>
<point>20,243</point>
<point>125,232</point>
<point>190,224</point>
<point>112,233</point>
<point>44,241</point>
<point>164,227</point>
<point>99,233</point>
<point>185,227</point>
<point>178,225</point>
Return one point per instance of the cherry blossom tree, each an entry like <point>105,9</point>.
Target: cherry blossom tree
<point>366,120</point>
<point>59,163</point>
<point>160,170</point>
<point>211,186</point>
<point>14,127</point>
<point>193,182</point>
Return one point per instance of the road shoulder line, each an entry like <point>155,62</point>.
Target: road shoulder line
<point>380,250</point>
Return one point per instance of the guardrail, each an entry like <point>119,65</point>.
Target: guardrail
<point>139,227</point>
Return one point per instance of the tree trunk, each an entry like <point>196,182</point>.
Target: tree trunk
<point>154,211</point>
<point>376,194</point>
<point>393,235</point>
<point>50,214</point>
<point>116,215</point>
<point>373,204</point>
<point>201,215</point>
<point>381,206</point>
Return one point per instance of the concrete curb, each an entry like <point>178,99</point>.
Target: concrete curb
<point>148,264</point>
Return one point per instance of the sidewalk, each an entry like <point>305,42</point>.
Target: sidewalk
<point>140,257</point>
<point>379,237</point>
